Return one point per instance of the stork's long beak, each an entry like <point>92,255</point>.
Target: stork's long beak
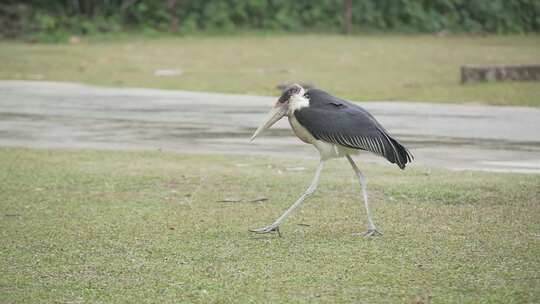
<point>271,118</point>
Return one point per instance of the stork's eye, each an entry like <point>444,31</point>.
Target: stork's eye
<point>284,98</point>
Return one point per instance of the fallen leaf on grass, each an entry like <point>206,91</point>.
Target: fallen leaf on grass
<point>230,200</point>
<point>260,199</point>
<point>238,200</point>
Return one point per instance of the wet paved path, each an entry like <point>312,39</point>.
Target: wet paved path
<point>63,115</point>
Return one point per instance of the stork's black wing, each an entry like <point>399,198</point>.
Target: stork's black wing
<point>338,121</point>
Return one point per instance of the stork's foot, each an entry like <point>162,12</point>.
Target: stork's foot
<point>267,229</point>
<point>370,233</point>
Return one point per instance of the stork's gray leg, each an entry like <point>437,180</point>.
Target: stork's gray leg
<point>310,190</point>
<point>372,231</point>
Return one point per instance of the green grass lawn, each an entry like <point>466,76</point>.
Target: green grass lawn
<point>415,68</point>
<point>141,227</point>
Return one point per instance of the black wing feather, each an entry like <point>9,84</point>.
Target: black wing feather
<point>338,121</point>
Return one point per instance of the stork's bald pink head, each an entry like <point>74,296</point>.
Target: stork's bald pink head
<point>281,107</point>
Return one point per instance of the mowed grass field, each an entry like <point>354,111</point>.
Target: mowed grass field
<point>150,227</point>
<point>413,68</point>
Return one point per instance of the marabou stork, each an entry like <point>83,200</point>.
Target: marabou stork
<point>337,128</point>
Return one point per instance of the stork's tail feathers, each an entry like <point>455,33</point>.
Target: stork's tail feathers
<point>401,155</point>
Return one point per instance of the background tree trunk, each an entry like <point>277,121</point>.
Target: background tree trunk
<point>173,10</point>
<point>347,14</point>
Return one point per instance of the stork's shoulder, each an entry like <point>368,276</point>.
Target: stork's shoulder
<point>323,100</point>
<point>325,107</point>
<point>320,98</point>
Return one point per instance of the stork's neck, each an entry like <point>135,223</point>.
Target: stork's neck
<point>297,102</point>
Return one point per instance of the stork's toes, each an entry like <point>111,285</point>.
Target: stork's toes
<point>267,229</point>
<point>369,233</point>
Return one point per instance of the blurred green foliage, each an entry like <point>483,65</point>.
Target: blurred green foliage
<point>57,18</point>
